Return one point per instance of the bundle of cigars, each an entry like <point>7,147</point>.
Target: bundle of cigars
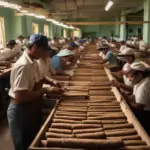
<point>89,117</point>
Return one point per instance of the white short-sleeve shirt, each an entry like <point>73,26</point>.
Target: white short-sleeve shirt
<point>45,67</point>
<point>122,48</point>
<point>142,93</point>
<point>142,45</point>
<point>7,52</point>
<point>24,75</point>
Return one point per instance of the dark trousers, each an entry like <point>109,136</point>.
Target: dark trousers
<point>24,122</point>
<point>144,119</point>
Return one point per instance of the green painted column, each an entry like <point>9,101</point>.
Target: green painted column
<point>146,26</point>
<point>123,28</point>
<point>117,28</point>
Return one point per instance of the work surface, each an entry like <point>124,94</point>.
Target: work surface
<point>91,116</point>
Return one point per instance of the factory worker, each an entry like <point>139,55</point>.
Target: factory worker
<point>81,45</point>
<point>109,57</point>
<point>46,70</point>
<point>142,44</point>
<point>123,46</point>
<point>139,101</point>
<point>8,51</point>
<point>18,46</point>
<point>23,113</point>
<point>59,61</point>
<point>128,54</point>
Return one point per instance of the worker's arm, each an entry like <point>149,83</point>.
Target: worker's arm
<point>121,85</point>
<point>104,61</point>
<point>132,102</point>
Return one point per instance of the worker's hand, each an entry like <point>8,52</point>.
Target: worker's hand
<point>59,84</point>
<point>115,83</point>
<point>54,90</point>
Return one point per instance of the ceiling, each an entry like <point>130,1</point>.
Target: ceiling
<point>76,10</point>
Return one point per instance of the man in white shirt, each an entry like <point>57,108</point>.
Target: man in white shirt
<point>123,46</point>
<point>8,51</point>
<point>142,44</point>
<point>26,94</point>
<point>139,101</point>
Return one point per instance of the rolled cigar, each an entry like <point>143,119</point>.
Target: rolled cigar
<point>58,135</point>
<point>118,121</point>
<point>130,137</point>
<point>99,92</point>
<point>100,88</point>
<point>66,121</point>
<point>102,97</point>
<point>99,78</point>
<point>61,111</point>
<point>120,126</point>
<point>97,114</point>
<point>102,83</point>
<point>104,110</point>
<point>64,131</point>
<point>134,143</point>
<point>77,83</point>
<point>136,148</point>
<point>71,114</point>
<point>121,133</point>
<point>94,135</point>
<point>73,109</point>
<point>61,125</point>
<point>88,130</point>
<point>83,143</point>
<point>73,104</point>
<point>75,93</point>
<point>91,122</point>
<point>70,117</point>
<point>104,104</point>
<point>86,126</point>
<point>77,88</point>
<point>101,107</point>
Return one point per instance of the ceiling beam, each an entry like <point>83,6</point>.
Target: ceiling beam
<point>107,22</point>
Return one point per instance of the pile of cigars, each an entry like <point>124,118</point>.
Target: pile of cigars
<point>89,117</point>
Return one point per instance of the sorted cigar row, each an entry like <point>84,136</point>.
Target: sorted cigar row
<point>94,123</point>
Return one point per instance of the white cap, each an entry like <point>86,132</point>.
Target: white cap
<point>127,51</point>
<point>77,43</point>
<point>138,66</point>
<point>65,52</point>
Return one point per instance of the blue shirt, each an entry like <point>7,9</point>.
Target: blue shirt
<point>56,64</point>
<point>111,58</point>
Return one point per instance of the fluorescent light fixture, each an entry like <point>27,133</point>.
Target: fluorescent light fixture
<point>41,17</point>
<point>23,11</point>
<point>30,14</point>
<point>10,5</point>
<point>109,4</point>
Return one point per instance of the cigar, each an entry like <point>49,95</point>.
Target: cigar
<point>119,126</point>
<point>70,117</point>
<point>136,148</point>
<point>118,121</point>
<point>121,133</point>
<point>86,126</point>
<point>134,143</point>
<point>104,110</point>
<point>101,107</point>
<point>128,137</point>
<point>87,130</point>
<point>66,121</point>
<point>83,143</point>
<point>64,131</point>
<point>71,114</point>
<point>94,135</point>
<point>58,135</point>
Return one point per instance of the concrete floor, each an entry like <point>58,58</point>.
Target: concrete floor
<point>5,139</point>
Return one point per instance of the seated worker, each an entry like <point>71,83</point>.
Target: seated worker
<point>81,47</point>
<point>7,52</point>
<point>18,47</point>
<point>60,60</point>
<point>128,54</point>
<point>109,57</point>
<point>139,101</point>
<point>123,46</point>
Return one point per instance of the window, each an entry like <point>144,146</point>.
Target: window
<point>35,28</point>
<point>46,30</point>
<point>2,33</point>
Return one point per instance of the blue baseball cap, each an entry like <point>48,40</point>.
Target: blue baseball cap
<point>82,41</point>
<point>40,40</point>
<point>73,44</point>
